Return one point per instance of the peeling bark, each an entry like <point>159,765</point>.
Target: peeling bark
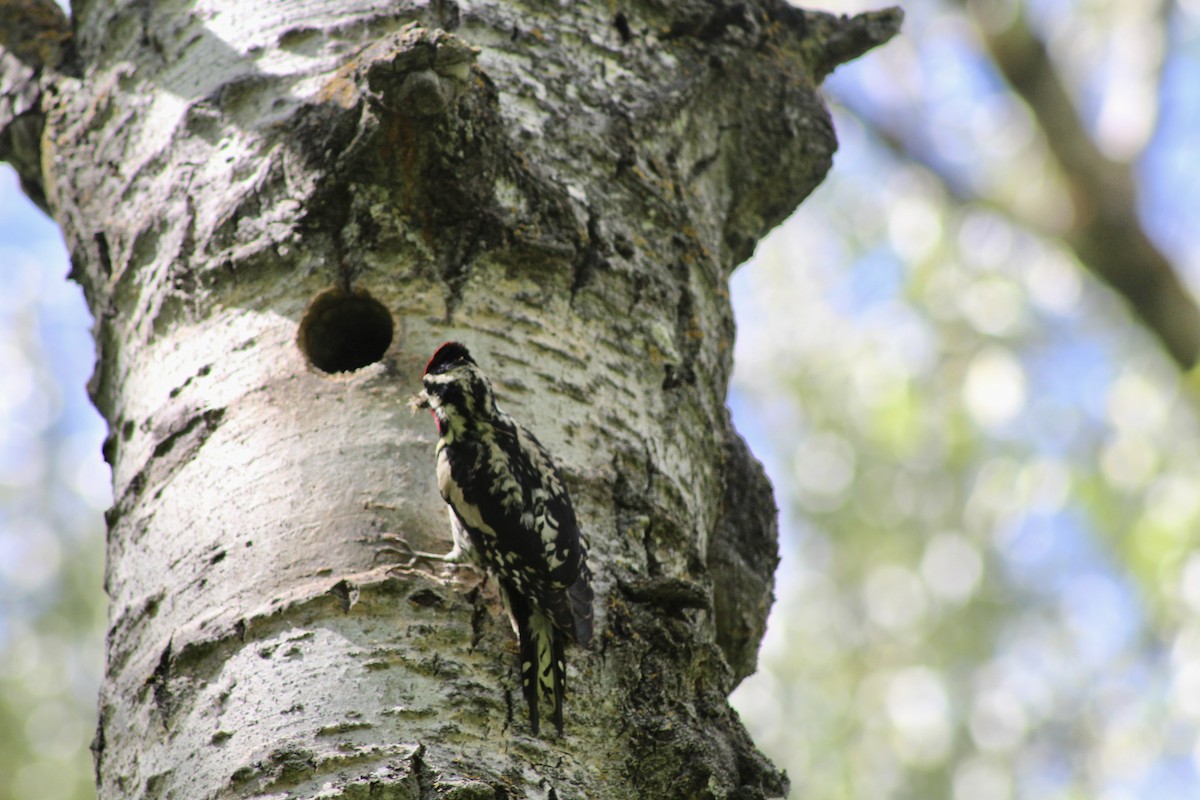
<point>251,193</point>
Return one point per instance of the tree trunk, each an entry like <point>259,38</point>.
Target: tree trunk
<point>277,211</point>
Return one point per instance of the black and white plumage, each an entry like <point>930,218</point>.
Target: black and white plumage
<point>510,514</point>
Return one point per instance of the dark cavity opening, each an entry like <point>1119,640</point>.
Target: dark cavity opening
<point>344,331</point>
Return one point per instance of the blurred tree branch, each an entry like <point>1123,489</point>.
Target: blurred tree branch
<point>1105,232</point>
<point>37,32</point>
<point>35,38</point>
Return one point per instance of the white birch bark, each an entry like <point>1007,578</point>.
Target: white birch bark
<point>247,189</point>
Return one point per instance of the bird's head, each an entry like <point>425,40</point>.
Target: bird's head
<point>455,388</point>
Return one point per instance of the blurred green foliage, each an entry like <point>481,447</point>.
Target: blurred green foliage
<point>988,473</point>
<point>53,489</point>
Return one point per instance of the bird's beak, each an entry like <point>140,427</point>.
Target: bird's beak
<point>418,400</point>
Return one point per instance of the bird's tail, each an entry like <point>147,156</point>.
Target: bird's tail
<point>579,596</point>
<point>543,663</point>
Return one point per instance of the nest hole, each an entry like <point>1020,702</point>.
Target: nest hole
<point>345,331</point>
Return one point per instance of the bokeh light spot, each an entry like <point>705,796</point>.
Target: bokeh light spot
<point>994,390</point>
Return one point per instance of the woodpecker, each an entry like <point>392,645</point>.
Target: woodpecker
<point>511,515</point>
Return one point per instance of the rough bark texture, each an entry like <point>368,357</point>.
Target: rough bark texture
<point>249,190</point>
